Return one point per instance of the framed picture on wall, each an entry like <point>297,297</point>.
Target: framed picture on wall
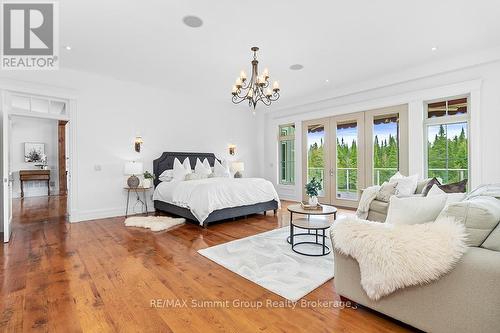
<point>34,152</point>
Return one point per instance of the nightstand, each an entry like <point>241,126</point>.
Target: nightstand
<point>137,190</point>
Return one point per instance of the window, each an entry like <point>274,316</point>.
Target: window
<point>447,140</point>
<point>287,154</point>
<point>347,160</point>
<point>316,155</point>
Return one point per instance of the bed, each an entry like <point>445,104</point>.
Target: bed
<point>198,192</point>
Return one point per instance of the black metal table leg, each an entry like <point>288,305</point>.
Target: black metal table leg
<point>291,229</point>
<point>324,245</point>
<point>128,199</point>
<point>145,202</point>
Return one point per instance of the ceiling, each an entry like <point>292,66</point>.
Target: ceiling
<point>340,41</point>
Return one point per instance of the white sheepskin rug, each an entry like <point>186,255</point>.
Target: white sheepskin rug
<point>155,223</point>
<point>392,256</point>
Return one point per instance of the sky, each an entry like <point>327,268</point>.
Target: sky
<point>349,134</point>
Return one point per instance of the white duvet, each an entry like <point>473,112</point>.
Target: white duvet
<point>204,196</point>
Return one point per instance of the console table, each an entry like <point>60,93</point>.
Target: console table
<point>32,175</point>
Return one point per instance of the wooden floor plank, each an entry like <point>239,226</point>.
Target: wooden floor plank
<point>100,276</point>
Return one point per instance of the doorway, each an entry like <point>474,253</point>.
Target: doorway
<point>35,159</point>
<point>350,152</point>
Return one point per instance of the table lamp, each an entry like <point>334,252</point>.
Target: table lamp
<point>238,168</point>
<point>133,168</point>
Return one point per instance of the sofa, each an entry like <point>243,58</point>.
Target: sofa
<point>467,299</point>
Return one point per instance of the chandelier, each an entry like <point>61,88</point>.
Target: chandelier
<point>257,88</point>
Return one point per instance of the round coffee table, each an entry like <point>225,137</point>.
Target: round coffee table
<point>313,227</point>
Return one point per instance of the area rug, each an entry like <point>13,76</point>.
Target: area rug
<point>155,223</point>
<point>268,260</point>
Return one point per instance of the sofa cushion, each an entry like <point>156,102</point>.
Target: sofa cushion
<point>480,215</point>
<point>386,191</point>
<point>493,240</point>
<point>415,210</point>
<point>379,206</point>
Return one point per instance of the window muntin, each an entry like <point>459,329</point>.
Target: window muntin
<point>287,154</point>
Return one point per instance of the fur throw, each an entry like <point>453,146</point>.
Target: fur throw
<point>155,223</point>
<point>393,256</point>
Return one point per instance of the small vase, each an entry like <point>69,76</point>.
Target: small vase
<point>146,183</point>
<point>313,200</point>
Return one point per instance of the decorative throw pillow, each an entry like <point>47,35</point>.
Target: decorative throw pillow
<point>430,184</point>
<point>187,164</point>
<point>179,171</point>
<point>414,210</point>
<point>406,185</point>
<point>450,197</point>
<point>387,190</point>
<point>221,169</point>
<point>202,169</point>
<point>421,185</point>
<point>206,164</point>
<point>166,175</point>
<point>480,215</point>
<point>459,187</point>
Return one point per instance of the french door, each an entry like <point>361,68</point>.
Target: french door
<point>347,155</point>
<point>350,152</point>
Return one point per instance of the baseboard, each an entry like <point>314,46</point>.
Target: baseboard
<point>89,215</point>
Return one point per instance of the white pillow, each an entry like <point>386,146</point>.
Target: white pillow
<point>187,165</point>
<point>414,210</point>
<point>406,185</point>
<point>166,175</point>
<point>206,164</point>
<point>201,169</point>
<point>179,171</point>
<point>435,190</point>
<point>221,170</point>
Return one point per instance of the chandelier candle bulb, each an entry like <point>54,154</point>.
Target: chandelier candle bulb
<point>243,76</point>
<point>235,90</point>
<point>276,86</point>
<point>266,74</point>
<point>238,83</point>
<point>269,92</point>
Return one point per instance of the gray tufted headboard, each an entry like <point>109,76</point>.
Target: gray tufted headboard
<point>166,161</point>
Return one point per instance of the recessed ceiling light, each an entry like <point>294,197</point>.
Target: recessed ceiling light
<point>192,21</point>
<point>327,81</point>
<point>296,67</point>
<point>68,48</point>
<point>434,48</point>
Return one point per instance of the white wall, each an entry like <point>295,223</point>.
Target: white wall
<point>110,113</point>
<point>482,81</point>
<point>26,129</point>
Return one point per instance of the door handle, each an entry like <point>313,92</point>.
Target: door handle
<point>331,173</point>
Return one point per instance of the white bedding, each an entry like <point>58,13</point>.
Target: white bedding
<point>203,196</point>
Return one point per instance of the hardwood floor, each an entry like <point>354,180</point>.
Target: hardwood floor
<point>100,276</point>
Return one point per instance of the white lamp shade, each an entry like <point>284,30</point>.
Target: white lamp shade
<point>133,168</point>
<point>238,166</point>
